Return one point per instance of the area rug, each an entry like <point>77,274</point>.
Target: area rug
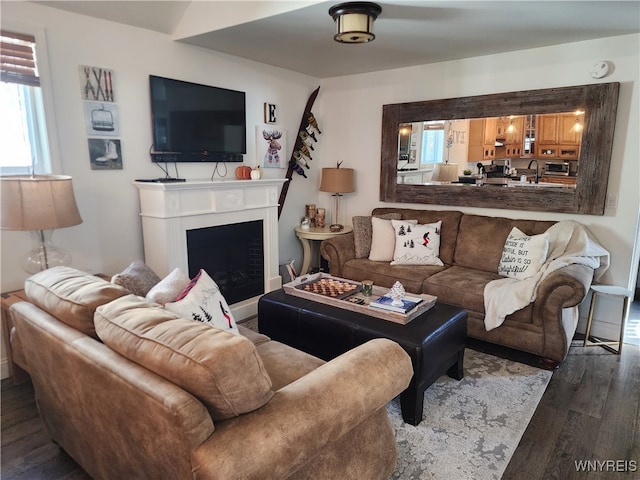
<point>470,428</point>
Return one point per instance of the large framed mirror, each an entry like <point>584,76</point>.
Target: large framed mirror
<point>596,104</point>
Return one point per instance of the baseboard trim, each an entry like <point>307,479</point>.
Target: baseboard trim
<point>600,329</point>
<point>4,368</point>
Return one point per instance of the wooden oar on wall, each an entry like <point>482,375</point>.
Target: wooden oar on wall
<point>298,146</point>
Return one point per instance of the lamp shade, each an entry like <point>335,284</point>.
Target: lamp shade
<point>42,202</point>
<point>337,180</point>
<point>446,172</point>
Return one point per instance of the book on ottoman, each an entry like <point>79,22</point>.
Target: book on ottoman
<point>385,302</point>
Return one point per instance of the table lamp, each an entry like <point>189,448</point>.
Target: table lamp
<point>39,203</point>
<point>446,172</point>
<point>337,181</point>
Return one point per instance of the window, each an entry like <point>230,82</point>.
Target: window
<point>23,133</point>
<point>432,142</point>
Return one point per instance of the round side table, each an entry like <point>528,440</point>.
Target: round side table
<point>612,291</point>
<point>314,234</point>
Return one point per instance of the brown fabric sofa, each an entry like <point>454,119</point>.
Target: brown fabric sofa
<point>471,248</point>
<point>239,406</point>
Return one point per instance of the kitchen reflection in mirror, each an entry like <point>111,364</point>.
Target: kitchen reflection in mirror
<point>542,148</point>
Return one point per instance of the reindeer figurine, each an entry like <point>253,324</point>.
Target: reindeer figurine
<point>271,157</point>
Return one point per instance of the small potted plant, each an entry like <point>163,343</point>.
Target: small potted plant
<point>466,178</point>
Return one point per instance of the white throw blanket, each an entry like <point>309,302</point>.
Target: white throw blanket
<point>569,243</point>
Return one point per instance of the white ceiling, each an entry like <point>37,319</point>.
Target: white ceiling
<point>298,35</point>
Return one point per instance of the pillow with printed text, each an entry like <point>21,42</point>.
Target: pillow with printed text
<point>523,255</point>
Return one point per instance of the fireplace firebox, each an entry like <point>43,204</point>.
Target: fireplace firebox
<point>232,254</point>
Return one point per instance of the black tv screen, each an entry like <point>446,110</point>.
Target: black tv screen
<point>196,123</point>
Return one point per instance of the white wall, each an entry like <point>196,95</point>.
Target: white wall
<point>352,113</point>
<point>110,236</point>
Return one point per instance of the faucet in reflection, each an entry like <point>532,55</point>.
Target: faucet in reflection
<point>537,167</point>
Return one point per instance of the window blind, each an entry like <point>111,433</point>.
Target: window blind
<point>17,59</point>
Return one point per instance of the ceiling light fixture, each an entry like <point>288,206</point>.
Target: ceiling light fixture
<point>354,21</point>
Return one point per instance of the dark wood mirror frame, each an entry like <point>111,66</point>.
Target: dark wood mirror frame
<point>600,103</point>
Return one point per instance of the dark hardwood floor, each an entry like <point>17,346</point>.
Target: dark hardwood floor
<point>27,451</point>
<point>589,412</point>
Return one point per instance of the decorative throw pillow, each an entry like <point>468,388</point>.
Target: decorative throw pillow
<point>202,301</point>
<point>416,244</point>
<point>383,239</point>
<point>138,278</point>
<point>168,289</point>
<point>287,271</point>
<point>362,232</point>
<point>523,255</point>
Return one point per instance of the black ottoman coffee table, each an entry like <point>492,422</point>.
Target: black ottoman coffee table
<point>435,340</point>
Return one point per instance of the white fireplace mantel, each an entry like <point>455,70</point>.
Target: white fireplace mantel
<point>169,210</point>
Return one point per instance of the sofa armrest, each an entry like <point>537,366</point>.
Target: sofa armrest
<point>575,281</point>
<point>307,415</point>
<point>337,250</point>
<point>565,288</point>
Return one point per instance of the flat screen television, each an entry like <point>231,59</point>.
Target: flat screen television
<point>196,123</point>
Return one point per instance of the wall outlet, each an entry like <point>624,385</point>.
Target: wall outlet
<point>612,200</point>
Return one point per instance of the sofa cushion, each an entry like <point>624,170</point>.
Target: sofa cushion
<point>523,255</point>
<point>481,239</point>
<point>138,278</point>
<point>362,233</point>
<point>286,364</point>
<point>416,244</point>
<point>253,336</point>
<point>201,300</point>
<point>449,230</point>
<point>384,275</point>
<point>460,286</point>
<point>224,371</point>
<point>464,287</point>
<point>71,295</point>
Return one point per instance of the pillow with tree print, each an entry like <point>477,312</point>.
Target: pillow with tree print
<point>417,244</point>
<point>201,300</point>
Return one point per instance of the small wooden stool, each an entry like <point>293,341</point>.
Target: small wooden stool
<point>612,291</point>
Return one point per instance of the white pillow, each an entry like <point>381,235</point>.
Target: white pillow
<point>168,289</point>
<point>523,255</point>
<point>383,239</point>
<point>202,301</point>
<point>416,244</point>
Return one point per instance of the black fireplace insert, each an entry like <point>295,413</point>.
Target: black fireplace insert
<point>233,255</point>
